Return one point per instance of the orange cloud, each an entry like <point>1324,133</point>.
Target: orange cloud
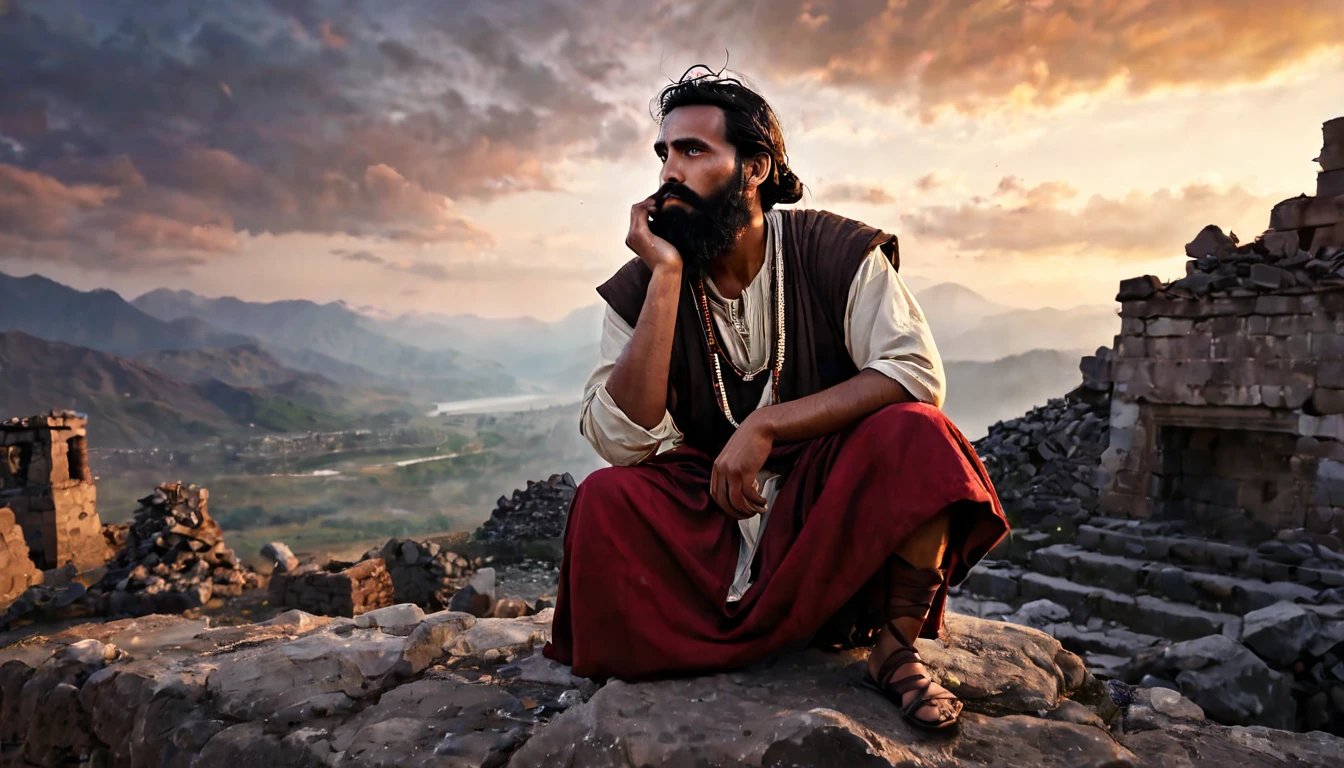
<point>1032,221</point>
<point>970,55</point>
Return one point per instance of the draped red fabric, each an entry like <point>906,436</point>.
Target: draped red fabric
<point>649,557</point>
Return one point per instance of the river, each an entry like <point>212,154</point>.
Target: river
<point>505,403</point>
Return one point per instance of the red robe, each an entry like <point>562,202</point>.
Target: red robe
<point>649,557</point>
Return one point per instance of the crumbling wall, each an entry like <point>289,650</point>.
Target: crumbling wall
<point>1243,354</point>
<point>17,571</point>
<point>336,590</point>
<point>45,479</point>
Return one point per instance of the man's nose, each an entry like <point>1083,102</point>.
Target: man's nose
<point>672,172</point>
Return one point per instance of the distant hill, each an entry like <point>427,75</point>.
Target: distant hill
<point>1022,330</point>
<point>247,365</point>
<point>131,404</point>
<point>967,326</point>
<point>529,349</point>
<point>97,319</point>
<point>337,332</point>
<point>952,309</point>
<point>981,393</point>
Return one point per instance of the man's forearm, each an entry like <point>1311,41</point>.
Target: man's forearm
<point>638,380</point>
<point>831,409</point>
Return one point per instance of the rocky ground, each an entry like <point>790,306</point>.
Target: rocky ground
<point>396,687</point>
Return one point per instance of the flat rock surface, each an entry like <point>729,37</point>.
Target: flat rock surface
<point>458,692</point>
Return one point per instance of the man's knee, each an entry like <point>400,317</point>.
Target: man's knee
<point>906,420</point>
<point>602,496</point>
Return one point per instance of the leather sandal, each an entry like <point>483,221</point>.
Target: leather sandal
<point>909,593</point>
<point>948,705</point>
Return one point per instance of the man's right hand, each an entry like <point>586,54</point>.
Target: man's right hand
<point>653,250</point>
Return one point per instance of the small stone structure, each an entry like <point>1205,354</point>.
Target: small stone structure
<point>339,589</point>
<point>423,572</point>
<point>46,481</point>
<point>1227,410</point>
<point>172,558</point>
<point>17,571</point>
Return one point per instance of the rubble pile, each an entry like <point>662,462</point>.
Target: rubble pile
<point>1043,462</point>
<point>422,572</point>
<point>537,512</point>
<point>336,589</point>
<point>173,558</point>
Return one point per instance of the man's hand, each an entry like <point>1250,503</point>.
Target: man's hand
<point>653,250</point>
<point>732,482</point>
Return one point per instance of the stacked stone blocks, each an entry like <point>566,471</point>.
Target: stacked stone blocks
<point>335,590</point>
<point>45,479</point>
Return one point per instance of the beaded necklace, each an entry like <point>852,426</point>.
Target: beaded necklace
<point>715,352</point>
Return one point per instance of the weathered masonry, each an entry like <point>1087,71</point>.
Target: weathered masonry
<point>46,482</point>
<point>1227,404</point>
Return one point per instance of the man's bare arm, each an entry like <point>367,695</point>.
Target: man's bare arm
<point>831,409</point>
<point>732,479</point>
<point>638,380</point>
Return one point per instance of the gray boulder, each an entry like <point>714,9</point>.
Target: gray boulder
<point>1279,632</point>
<point>1231,684</point>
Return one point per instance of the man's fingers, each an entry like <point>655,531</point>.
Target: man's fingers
<point>744,508</point>
<point>753,495</point>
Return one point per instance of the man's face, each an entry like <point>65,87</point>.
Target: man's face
<point>702,207</point>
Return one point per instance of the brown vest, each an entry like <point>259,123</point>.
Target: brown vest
<point>822,253</point>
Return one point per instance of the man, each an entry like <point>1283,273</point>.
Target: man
<point>769,395</point>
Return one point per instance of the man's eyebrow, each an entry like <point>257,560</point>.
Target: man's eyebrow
<point>682,144</point>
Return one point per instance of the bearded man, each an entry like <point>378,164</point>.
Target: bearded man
<point>769,397</point>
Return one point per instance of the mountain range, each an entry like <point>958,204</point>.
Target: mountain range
<point>224,363</point>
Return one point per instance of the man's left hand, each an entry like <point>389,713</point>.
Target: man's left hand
<point>732,482</point>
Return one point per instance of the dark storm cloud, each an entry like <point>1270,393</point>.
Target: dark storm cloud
<point>148,131</point>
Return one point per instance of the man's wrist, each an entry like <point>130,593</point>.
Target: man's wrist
<point>762,421</point>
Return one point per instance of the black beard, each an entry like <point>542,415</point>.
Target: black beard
<point>710,228</point>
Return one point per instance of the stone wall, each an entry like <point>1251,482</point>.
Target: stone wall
<point>335,590</point>
<point>1245,352</point>
<point>17,571</point>
<point>45,479</point>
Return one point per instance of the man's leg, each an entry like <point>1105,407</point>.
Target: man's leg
<point>914,571</point>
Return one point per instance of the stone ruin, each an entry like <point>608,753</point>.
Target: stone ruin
<point>535,513</point>
<point>336,589</point>
<point>170,559</point>
<point>46,482</point>
<point>1206,554</point>
<point>1227,414</point>
<point>17,571</point>
<point>423,572</point>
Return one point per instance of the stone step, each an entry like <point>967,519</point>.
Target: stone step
<point>1142,613</point>
<point>1192,553</point>
<point>1210,591</point>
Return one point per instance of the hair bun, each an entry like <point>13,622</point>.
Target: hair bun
<point>789,188</point>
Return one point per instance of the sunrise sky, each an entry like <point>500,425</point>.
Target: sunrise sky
<point>482,155</point>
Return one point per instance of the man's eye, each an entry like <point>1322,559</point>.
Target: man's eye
<point>693,151</point>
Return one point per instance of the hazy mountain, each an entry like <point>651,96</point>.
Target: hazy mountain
<point>1022,330</point>
<point>952,309</point>
<point>981,393</point>
<point>335,331</point>
<point>133,404</point>
<point>529,349</point>
<point>97,319</point>
<point>128,403</point>
<point>247,365</point>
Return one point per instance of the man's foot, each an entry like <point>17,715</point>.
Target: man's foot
<point>910,682</point>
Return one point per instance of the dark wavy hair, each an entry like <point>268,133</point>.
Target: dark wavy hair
<point>751,126</point>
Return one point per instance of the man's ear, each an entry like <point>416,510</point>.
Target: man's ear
<point>759,169</point>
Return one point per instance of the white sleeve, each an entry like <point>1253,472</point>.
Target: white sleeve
<point>612,434</point>
<point>885,330</point>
